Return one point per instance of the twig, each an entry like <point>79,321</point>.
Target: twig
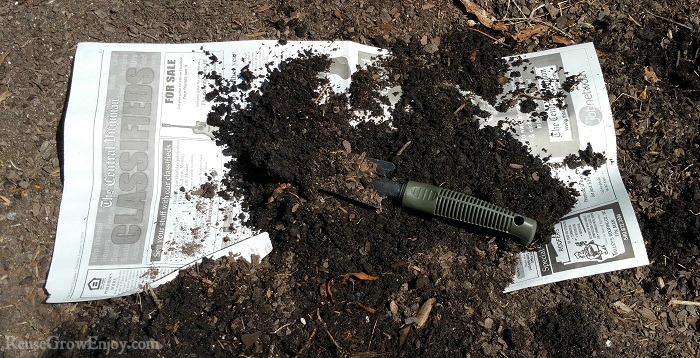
<point>2,59</point>
<point>325,327</point>
<point>553,27</point>
<point>322,92</point>
<point>670,20</point>
<point>635,21</point>
<point>14,166</point>
<point>372,335</point>
<point>505,13</point>
<point>150,291</point>
<point>489,36</point>
<point>533,11</point>
<point>623,95</point>
<point>281,328</point>
<point>308,342</point>
<point>681,302</point>
<point>403,148</point>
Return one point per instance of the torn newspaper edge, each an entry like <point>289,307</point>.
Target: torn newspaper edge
<point>137,150</point>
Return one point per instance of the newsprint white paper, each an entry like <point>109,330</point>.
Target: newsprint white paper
<point>135,134</point>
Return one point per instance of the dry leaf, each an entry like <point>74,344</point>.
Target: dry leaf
<point>643,95</point>
<point>366,308</point>
<point>528,32</point>
<point>562,40</point>
<point>424,312</point>
<point>483,16</point>
<point>650,75</point>
<point>357,275</point>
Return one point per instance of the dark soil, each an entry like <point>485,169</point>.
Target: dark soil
<point>586,157</point>
<point>286,135</point>
<point>299,300</point>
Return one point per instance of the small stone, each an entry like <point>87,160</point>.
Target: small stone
<point>424,40</point>
<point>249,339</point>
<point>430,48</point>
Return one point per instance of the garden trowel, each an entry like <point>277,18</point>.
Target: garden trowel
<point>448,204</point>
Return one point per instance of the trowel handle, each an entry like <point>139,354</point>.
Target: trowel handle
<point>461,207</point>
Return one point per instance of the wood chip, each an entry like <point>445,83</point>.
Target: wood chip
<point>5,95</point>
<point>424,313</point>
<point>403,334</point>
<point>621,307</point>
<point>647,314</point>
<point>394,308</point>
<point>563,40</point>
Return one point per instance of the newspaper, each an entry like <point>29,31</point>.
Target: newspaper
<point>138,150</point>
<point>140,164</point>
<point>601,233</point>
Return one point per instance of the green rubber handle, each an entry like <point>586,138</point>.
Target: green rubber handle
<point>461,207</point>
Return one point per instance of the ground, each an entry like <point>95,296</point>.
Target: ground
<point>649,52</point>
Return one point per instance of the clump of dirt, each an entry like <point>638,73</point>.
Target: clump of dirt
<point>294,130</point>
<point>585,157</point>
<point>353,178</point>
<point>364,89</point>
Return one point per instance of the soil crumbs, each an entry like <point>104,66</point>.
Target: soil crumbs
<point>649,54</point>
<point>347,278</point>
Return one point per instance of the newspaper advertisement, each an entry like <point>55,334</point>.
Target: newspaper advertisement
<point>141,166</point>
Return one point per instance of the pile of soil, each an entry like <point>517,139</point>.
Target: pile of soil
<point>347,278</point>
<point>649,52</point>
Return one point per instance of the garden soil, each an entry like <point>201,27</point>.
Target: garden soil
<point>350,280</point>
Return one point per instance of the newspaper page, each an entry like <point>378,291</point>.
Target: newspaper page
<point>140,162</point>
<point>601,233</point>
<point>141,165</point>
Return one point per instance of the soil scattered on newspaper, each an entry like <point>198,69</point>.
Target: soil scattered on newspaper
<point>344,280</point>
<point>345,277</point>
